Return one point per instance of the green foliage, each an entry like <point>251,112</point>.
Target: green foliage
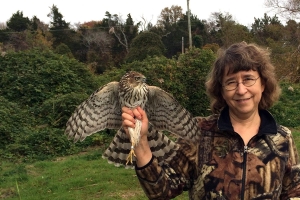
<point>63,49</point>
<point>194,67</point>
<point>184,78</point>
<point>31,77</point>
<point>59,27</point>
<point>13,122</point>
<point>145,44</point>
<point>40,92</point>
<point>286,110</point>
<point>18,22</point>
<point>99,62</point>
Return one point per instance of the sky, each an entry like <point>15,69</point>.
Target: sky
<point>76,11</point>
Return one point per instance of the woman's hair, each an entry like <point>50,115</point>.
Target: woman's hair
<point>242,57</point>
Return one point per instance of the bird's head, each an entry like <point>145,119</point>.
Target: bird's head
<point>133,79</point>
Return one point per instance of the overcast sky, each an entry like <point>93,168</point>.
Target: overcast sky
<point>82,11</point>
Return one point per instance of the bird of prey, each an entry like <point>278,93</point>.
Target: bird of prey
<point>103,109</point>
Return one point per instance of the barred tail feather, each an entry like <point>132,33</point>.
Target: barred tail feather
<point>118,150</point>
<point>161,146</point>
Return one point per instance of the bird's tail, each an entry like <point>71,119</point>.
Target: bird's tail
<point>161,146</point>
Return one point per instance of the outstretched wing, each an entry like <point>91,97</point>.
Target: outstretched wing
<point>166,113</point>
<point>100,111</point>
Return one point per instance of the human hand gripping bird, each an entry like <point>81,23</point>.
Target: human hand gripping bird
<point>102,110</point>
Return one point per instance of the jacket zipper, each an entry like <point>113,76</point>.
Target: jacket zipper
<point>244,171</point>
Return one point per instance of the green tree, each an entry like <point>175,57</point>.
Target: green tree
<point>172,26</point>
<point>169,16</point>
<point>63,33</point>
<point>144,45</point>
<point>169,30</point>
<point>18,22</point>
<point>224,30</point>
<point>64,50</point>
<point>59,28</point>
<point>199,33</point>
<point>267,28</point>
<point>292,33</point>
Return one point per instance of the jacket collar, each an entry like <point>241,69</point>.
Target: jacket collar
<point>268,123</point>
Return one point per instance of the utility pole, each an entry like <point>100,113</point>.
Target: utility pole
<point>189,23</point>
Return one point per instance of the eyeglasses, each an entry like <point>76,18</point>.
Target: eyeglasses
<point>232,85</point>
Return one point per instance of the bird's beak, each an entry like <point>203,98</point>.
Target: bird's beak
<point>144,79</point>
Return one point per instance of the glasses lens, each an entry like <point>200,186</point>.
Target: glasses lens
<point>249,82</point>
<point>233,85</point>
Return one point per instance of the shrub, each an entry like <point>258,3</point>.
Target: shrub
<point>144,45</point>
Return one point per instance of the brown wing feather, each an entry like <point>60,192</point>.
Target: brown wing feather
<point>166,113</point>
<point>100,111</point>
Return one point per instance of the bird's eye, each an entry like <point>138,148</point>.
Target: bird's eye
<point>137,78</point>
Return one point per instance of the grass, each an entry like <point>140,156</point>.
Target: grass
<point>77,177</point>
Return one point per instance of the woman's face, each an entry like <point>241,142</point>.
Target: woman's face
<point>243,100</point>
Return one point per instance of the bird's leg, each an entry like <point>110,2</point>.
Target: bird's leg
<point>131,154</point>
<point>134,138</point>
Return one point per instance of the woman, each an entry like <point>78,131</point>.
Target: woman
<point>243,153</point>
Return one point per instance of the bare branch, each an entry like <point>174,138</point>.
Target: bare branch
<point>145,24</point>
<point>287,9</point>
<point>117,28</point>
<point>118,36</point>
<point>99,39</point>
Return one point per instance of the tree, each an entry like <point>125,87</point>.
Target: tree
<point>123,32</point>
<point>62,33</point>
<point>3,26</point>
<point>25,34</point>
<point>267,28</point>
<point>59,28</point>
<point>145,24</point>
<point>169,16</point>
<point>18,22</point>
<point>224,30</point>
<point>144,45</point>
<point>199,33</point>
<point>288,9</point>
<point>170,29</point>
<point>292,33</point>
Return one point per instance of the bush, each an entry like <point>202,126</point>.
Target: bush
<point>146,44</point>
<point>40,91</point>
<point>286,110</point>
<point>184,78</point>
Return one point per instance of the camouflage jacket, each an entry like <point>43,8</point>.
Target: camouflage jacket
<point>221,166</point>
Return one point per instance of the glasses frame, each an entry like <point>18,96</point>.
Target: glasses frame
<point>237,84</point>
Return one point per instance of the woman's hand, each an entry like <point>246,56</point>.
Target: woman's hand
<point>129,117</point>
<point>142,149</point>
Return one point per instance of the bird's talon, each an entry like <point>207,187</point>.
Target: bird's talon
<point>130,156</point>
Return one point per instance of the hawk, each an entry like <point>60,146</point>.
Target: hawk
<point>103,109</point>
